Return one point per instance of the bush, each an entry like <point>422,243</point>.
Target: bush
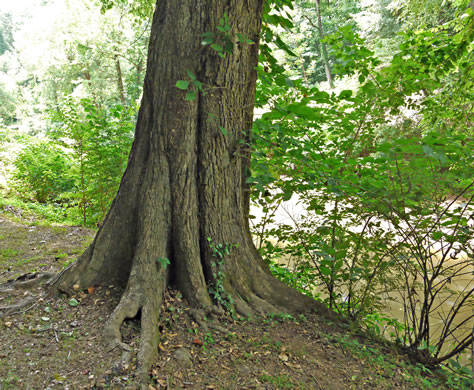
<point>388,196</point>
<point>100,139</point>
<point>43,171</point>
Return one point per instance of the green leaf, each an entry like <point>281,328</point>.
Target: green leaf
<point>243,38</point>
<point>287,195</point>
<point>73,302</point>
<point>207,41</point>
<point>325,270</point>
<point>198,84</point>
<point>207,38</point>
<point>223,131</point>
<point>229,47</point>
<point>164,262</point>
<point>283,46</point>
<point>190,96</point>
<point>182,84</point>
<point>304,111</point>
<point>345,94</point>
<point>191,75</point>
<point>289,82</point>
<point>217,47</point>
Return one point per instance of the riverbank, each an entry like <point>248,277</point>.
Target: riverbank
<point>55,343</point>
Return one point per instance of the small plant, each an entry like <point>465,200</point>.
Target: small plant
<point>379,325</point>
<point>208,340</point>
<point>8,253</point>
<point>164,262</point>
<point>193,81</point>
<point>220,42</point>
<point>217,290</point>
<point>281,317</point>
<point>10,382</point>
<point>60,255</point>
<point>458,376</point>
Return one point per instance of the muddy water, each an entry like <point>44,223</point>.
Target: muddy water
<point>444,304</point>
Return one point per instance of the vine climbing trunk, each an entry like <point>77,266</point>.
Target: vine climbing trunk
<point>185,182</point>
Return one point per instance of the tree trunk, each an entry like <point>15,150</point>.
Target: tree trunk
<point>186,180</point>
<point>120,87</point>
<point>324,53</point>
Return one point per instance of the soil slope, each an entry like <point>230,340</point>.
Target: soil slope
<point>55,342</point>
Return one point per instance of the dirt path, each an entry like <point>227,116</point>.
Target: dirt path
<point>55,342</point>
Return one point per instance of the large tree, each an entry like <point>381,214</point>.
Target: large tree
<point>185,185</point>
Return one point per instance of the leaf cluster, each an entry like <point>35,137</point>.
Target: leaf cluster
<point>373,168</point>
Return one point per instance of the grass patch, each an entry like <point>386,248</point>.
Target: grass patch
<point>23,262</point>
<point>9,253</point>
<point>280,381</point>
<point>37,214</point>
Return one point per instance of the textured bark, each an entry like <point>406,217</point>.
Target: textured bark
<point>186,180</point>
<point>120,87</point>
<point>324,53</point>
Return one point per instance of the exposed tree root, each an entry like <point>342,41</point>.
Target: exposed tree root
<point>149,338</point>
<point>242,308</point>
<point>128,307</point>
<point>132,303</point>
<point>11,309</point>
<point>252,288</point>
<point>205,319</point>
<point>143,295</point>
<point>259,294</point>
<point>26,282</point>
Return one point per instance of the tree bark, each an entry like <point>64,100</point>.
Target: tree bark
<point>186,181</point>
<point>120,87</point>
<point>324,53</point>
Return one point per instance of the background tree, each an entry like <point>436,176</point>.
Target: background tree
<point>79,82</point>
<point>324,53</point>
<point>429,13</point>
<point>312,21</point>
<point>7,94</point>
<point>6,36</point>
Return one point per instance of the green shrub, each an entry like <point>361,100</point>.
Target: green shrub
<point>43,171</point>
<point>100,139</point>
<point>387,196</point>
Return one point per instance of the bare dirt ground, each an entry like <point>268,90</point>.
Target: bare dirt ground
<point>55,342</point>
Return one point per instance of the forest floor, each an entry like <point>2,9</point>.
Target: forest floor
<point>55,343</point>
